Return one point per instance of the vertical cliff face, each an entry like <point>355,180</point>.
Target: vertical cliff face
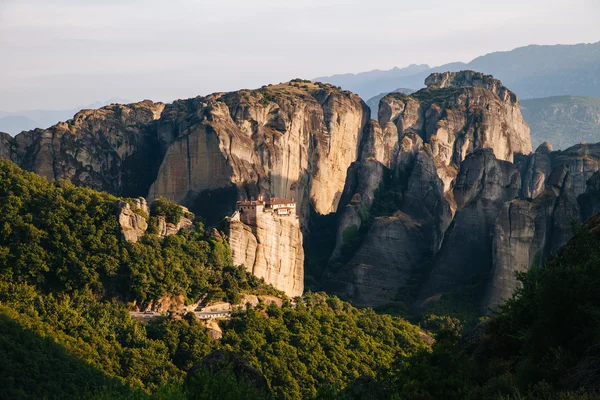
<point>558,187</point>
<point>6,146</point>
<point>420,143</point>
<point>483,185</point>
<point>292,140</point>
<point>270,247</point>
<point>536,170</point>
<point>442,184</point>
<point>458,113</point>
<point>468,201</point>
<point>446,186</point>
<point>512,244</point>
<point>582,161</point>
<point>528,232</point>
<point>394,244</point>
<point>113,149</point>
<point>589,201</point>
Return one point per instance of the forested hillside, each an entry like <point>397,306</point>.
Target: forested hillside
<point>542,344</point>
<point>67,282</point>
<point>562,121</point>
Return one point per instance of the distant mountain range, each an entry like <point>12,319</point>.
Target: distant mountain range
<point>16,122</point>
<point>531,72</point>
<point>563,121</point>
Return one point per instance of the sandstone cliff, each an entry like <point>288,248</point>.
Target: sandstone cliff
<point>293,140</point>
<point>456,114</point>
<point>421,141</point>
<point>443,186</point>
<point>6,146</point>
<point>270,247</point>
<point>133,217</point>
<point>589,201</point>
<point>134,223</point>
<point>393,246</point>
<point>500,209</point>
<point>112,148</point>
<point>528,232</point>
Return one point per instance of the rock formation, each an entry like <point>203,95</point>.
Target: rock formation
<point>421,140</point>
<point>512,244</point>
<point>537,169</point>
<point>6,144</point>
<point>133,224</point>
<point>456,114</point>
<point>589,201</point>
<point>292,140</point>
<point>473,204</point>
<point>528,232</point>
<point>443,184</point>
<point>113,148</point>
<point>167,228</point>
<point>270,247</point>
<point>133,219</point>
<point>483,185</point>
<point>395,245</point>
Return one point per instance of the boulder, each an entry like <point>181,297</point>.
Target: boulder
<point>133,225</point>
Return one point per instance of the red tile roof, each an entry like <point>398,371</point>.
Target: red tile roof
<point>270,202</point>
<point>277,200</point>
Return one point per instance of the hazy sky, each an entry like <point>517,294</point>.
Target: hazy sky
<point>65,53</point>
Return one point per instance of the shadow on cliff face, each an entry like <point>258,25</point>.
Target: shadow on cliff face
<point>140,169</point>
<point>319,243</point>
<point>212,205</point>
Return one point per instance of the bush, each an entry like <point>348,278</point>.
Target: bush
<point>168,209</point>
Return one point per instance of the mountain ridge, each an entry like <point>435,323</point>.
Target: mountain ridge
<point>316,143</point>
<point>561,73</point>
<point>563,120</point>
<point>24,120</point>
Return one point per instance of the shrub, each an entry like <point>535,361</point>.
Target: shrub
<point>166,208</point>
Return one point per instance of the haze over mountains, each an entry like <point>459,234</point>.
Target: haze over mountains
<point>16,122</point>
<point>568,74</point>
<point>563,120</point>
<point>530,71</point>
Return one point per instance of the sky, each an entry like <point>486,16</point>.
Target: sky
<point>59,54</point>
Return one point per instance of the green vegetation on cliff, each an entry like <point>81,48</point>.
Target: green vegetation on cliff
<point>67,283</point>
<point>542,344</point>
<point>63,239</point>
